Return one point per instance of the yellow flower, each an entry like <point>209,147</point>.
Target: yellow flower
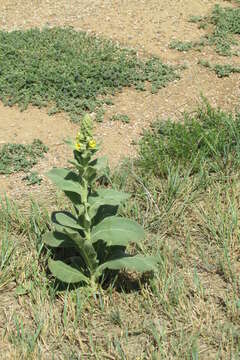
<point>77,146</point>
<point>92,144</point>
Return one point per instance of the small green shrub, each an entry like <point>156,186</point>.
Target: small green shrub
<point>94,237</point>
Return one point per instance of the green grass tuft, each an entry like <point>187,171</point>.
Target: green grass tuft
<point>210,140</point>
<point>70,71</point>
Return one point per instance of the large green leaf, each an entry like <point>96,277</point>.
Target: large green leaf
<point>57,239</point>
<point>93,210</point>
<point>66,220</point>
<point>76,200</point>
<point>66,180</point>
<point>65,230</point>
<point>103,212</point>
<point>66,273</point>
<point>133,263</point>
<point>115,230</point>
<point>108,196</point>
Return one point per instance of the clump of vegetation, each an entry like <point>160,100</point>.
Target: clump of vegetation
<point>208,140</point>
<point>196,19</point>
<point>226,23</point>
<point>32,178</point>
<point>187,45</point>
<point>121,117</point>
<point>94,237</point>
<point>220,70</point>
<point>226,26</point>
<point>72,71</point>
<point>19,157</point>
<point>100,115</point>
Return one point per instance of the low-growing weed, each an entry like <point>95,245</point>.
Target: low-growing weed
<point>71,71</point>
<point>187,45</point>
<point>220,70</point>
<point>19,157</point>
<point>121,117</point>
<point>223,36</point>
<point>32,178</point>
<point>100,115</point>
<point>226,23</point>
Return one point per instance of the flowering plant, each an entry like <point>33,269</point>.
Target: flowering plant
<point>95,237</point>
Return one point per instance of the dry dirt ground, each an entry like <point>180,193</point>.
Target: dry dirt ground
<point>146,25</point>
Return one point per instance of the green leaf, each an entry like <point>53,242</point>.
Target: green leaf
<point>105,197</point>
<point>66,273</point>
<point>90,174</point>
<point>65,230</point>
<point>86,250</point>
<point>109,195</point>
<point>94,208</point>
<point>100,164</point>
<point>133,263</point>
<point>115,230</point>
<point>66,180</point>
<point>89,254</point>
<point>66,220</point>
<point>57,239</point>
<point>76,200</point>
<point>103,212</point>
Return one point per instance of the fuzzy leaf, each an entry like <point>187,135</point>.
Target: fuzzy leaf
<point>108,196</point>
<point>65,230</point>
<point>133,263</point>
<point>105,197</point>
<point>66,220</point>
<point>66,273</point>
<point>57,239</point>
<point>115,230</point>
<point>94,208</point>
<point>66,180</point>
<point>76,200</point>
